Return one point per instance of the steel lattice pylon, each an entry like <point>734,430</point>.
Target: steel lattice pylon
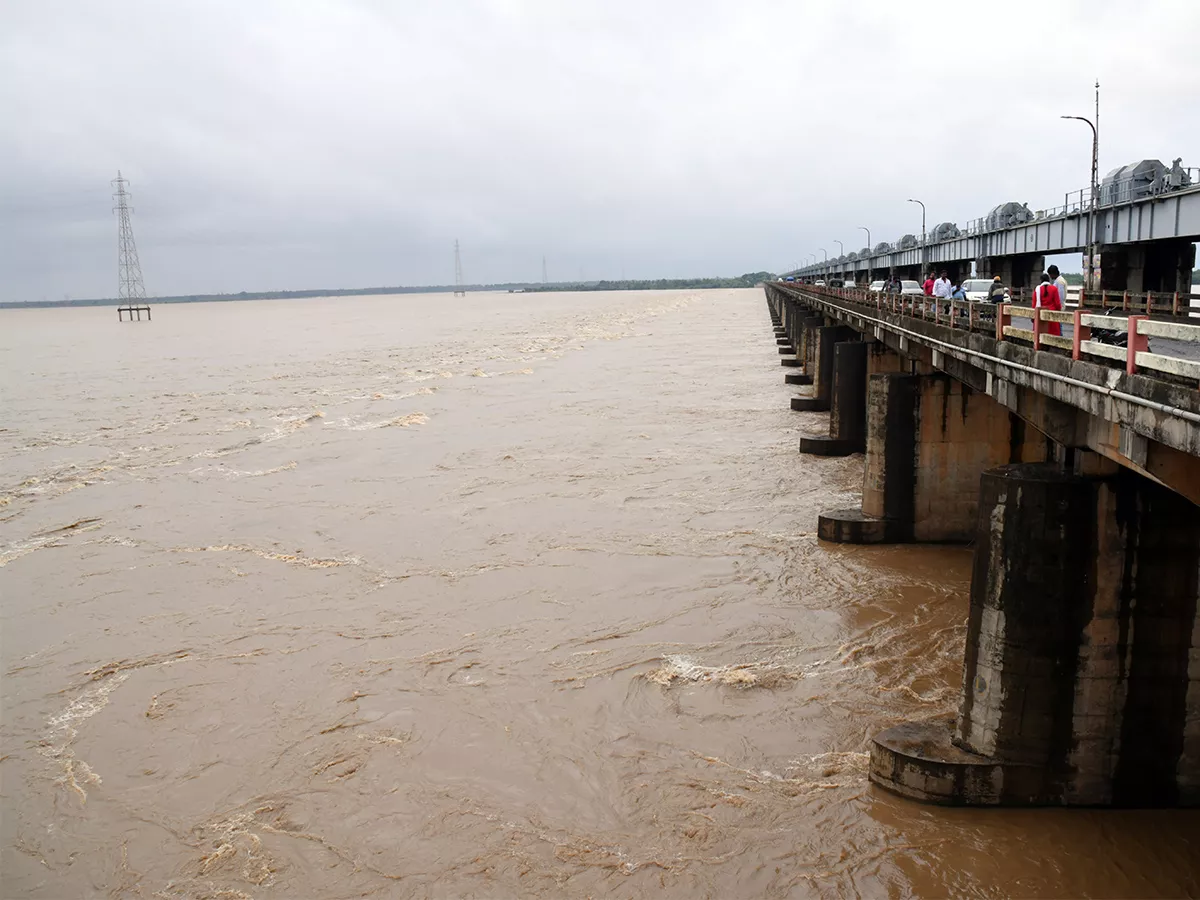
<point>459,290</point>
<point>129,269</point>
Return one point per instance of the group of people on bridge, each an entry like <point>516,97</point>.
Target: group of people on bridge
<point>1050,293</point>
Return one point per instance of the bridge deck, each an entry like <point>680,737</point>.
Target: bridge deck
<point>1136,405</point>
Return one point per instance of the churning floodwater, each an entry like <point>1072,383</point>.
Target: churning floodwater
<point>510,595</point>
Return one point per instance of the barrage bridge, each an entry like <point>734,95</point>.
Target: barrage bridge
<point>1072,461</point>
<point>1146,234</point>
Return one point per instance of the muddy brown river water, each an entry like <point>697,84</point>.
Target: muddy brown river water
<point>510,595</point>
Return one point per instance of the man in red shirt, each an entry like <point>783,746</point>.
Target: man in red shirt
<point>928,285</point>
<point>1046,296</point>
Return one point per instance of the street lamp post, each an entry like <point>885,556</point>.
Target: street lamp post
<point>826,252</point>
<point>870,250</point>
<point>922,234</point>
<point>1091,241</point>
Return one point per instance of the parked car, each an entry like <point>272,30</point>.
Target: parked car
<point>850,282</point>
<point>819,283</point>
<point>876,287</point>
<point>977,289</point>
<point>911,287</point>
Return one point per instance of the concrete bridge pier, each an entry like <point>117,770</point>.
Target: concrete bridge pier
<point>787,312</point>
<point>799,331</point>
<point>808,334</point>
<point>1152,266</point>
<point>820,341</point>
<point>1080,681</point>
<point>790,314</point>
<point>848,402</point>
<point>929,438</point>
<point>795,320</point>
<point>775,306</point>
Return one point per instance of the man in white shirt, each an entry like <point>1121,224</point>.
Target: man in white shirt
<point>1060,283</point>
<point>942,287</point>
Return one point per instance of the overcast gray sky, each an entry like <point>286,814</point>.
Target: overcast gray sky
<point>340,143</point>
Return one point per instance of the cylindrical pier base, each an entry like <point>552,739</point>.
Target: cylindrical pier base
<point>810,404</point>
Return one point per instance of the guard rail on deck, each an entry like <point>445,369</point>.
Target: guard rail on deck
<point>996,320</point>
<point>1163,303</point>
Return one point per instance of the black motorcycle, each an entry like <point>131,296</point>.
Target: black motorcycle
<point>1110,336</point>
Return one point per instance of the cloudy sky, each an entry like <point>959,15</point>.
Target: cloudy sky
<point>325,143</point>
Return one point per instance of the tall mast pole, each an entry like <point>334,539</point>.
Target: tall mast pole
<point>1095,195</point>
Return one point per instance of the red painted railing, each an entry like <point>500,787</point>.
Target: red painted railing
<point>996,320</point>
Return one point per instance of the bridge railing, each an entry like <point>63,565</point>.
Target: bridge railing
<point>1150,303</point>
<point>1122,340</point>
<point>970,315</point>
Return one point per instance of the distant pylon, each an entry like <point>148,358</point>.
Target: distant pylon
<point>543,270</point>
<point>129,269</point>
<point>459,290</point>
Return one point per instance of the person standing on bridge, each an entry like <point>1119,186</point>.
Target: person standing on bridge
<point>942,287</point>
<point>1045,296</point>
<point>996,291</point>
<point>928,286</point>
<point>1059,282</point>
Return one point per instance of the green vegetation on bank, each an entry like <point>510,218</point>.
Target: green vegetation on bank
<point>661,284</point>
<point>750,279</point>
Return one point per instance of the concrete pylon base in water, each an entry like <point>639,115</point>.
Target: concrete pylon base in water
<point>919,760</point>
<point>853,526</point>
<point>810,404</point>
<point>824,445</point>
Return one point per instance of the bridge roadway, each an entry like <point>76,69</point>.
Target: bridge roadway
<point>1145,244</point>
<point>1074,469</point>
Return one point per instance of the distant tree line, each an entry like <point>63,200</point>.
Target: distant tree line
<point>750,279</point>
<point>662,284</point>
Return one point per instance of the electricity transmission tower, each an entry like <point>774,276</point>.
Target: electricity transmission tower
<point>129,269</point>
<point>459,290</point>
<point>543,270</point>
